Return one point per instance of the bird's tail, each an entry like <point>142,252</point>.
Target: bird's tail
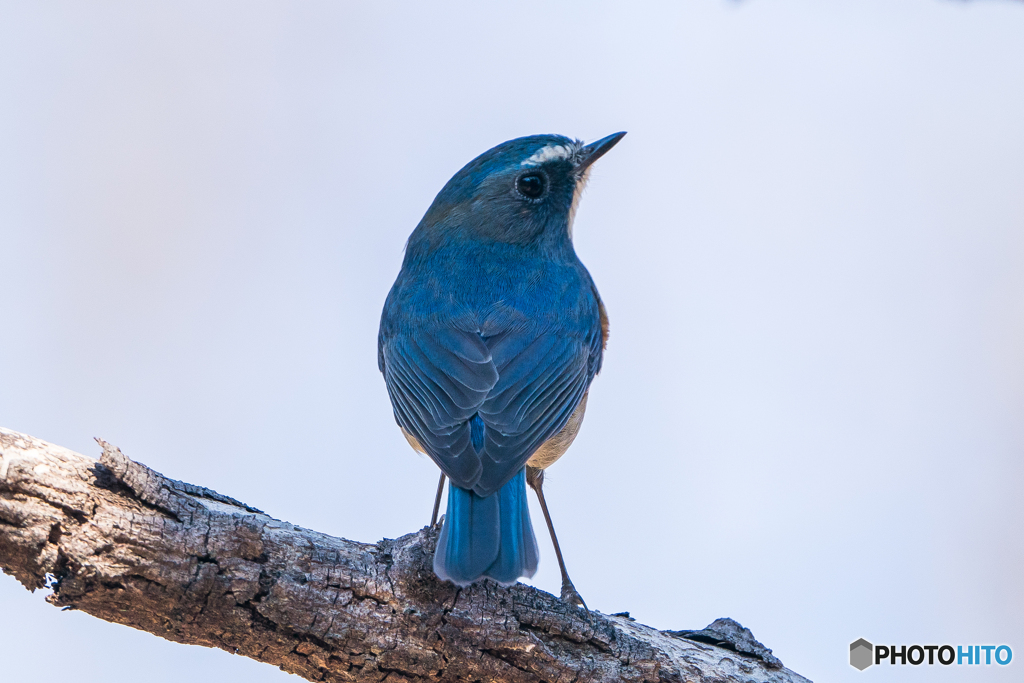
<point>489,536</point>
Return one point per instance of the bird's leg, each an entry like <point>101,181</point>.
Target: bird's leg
<point>437,500</point>
<point>535,478</point>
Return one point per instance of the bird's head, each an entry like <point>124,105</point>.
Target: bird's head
<point>517,192</point>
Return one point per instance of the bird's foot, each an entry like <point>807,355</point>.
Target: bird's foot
<point>571,595</point>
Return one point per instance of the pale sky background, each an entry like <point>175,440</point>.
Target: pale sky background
<point>811,246</point>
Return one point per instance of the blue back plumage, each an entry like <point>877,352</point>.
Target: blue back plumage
<point>489,340</point>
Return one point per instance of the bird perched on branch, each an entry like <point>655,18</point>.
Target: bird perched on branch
<point>489,340</point>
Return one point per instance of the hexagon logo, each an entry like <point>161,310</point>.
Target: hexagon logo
<point>861,654</point>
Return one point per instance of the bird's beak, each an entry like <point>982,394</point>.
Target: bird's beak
<point>596,150</point>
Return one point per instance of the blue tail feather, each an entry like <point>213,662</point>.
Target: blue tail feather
<point>487,537</point>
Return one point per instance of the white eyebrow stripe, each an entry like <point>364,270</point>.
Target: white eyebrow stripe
<point>548,153</point>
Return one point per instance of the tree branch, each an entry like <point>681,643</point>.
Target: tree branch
<point>128,545</point>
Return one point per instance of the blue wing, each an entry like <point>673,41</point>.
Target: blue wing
<point>522,384</point>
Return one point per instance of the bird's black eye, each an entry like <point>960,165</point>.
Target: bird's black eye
<point>531,185</point>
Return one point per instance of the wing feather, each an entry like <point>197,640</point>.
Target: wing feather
<point>524,384</point>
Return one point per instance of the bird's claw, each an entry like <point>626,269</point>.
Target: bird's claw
<point>571,595</point>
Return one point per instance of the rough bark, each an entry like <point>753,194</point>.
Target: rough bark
<point>128,545</point>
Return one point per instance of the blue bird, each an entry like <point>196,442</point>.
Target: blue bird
<point>489,340</point>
